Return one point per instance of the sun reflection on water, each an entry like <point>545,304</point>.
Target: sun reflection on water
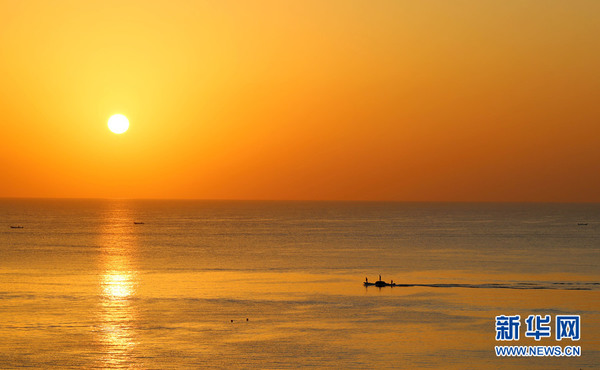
<point>118,282</point>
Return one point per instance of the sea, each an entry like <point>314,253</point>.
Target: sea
<point>181,284</point>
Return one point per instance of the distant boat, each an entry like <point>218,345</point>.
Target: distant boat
<point>581,224</point>
<point>16,227</point>
<point>379,283</point>
<point>138,223</point>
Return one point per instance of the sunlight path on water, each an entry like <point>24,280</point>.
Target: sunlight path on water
<point>118,282</point>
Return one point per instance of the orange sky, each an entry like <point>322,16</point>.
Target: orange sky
<point>366,100</point>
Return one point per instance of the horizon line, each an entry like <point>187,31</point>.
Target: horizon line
<point>303,200</point>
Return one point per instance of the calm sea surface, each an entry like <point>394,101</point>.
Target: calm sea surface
<point>279,284</point>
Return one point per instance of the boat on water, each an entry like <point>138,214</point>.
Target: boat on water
<point>138,223</point>
<point>379,283</point>
<point>16,227</point>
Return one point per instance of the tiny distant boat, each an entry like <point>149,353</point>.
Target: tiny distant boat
<point>16,227</point>
<point>138,223</point>
<point>379,283</point>
<point>581,224</point>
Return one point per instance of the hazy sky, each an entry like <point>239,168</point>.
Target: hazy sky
<point>367,100</point>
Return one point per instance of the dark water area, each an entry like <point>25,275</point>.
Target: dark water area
<point>230,284</point>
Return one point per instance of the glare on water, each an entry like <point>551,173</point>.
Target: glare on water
<point>118,282</point>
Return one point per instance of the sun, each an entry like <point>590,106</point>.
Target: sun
<point>118,123</point>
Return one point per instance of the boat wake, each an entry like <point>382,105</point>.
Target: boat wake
<point>523,285</point>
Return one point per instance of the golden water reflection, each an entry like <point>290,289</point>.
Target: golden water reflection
<point>118,283</point>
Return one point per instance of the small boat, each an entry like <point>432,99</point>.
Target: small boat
<point>16,227</point>
<point>379,283</point>
<point>138,223</point>
<point>581,224</point>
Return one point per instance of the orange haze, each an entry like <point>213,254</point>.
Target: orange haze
<point>367,100</point>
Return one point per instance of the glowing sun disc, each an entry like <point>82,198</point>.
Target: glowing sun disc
<point>118,123</point>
